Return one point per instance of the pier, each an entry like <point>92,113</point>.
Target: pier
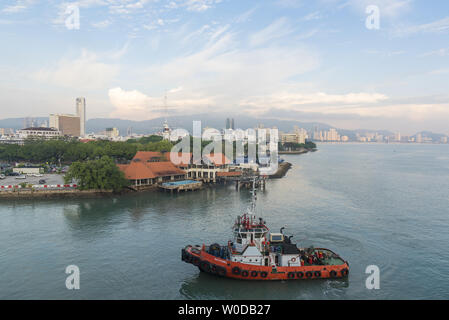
<point>178,186</point>
<point>246,181</point>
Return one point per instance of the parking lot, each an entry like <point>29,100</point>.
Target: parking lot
<point>50,179</point>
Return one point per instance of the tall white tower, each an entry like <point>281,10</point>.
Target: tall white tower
<point>81,112</point>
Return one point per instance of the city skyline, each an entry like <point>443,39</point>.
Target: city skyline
<point>314,62</point>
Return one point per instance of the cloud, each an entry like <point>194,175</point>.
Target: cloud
<point>200,5</point>
<point>84,72</point>
<point>313,16</point>
<point>20,5</point>
<point>217,75</point>
<point>439,26</point>
<point>440,71</point>
<point>14,9</point>
<point>226,71</point>
<point>192,5</point>
<point>277,29</point>
<point>289,3</point>
<point>443,52</point>
<point>310,102</point>
<point>133,104</point>
<point>101,24</point>
<point>245,16</point>
<point>407,118</point>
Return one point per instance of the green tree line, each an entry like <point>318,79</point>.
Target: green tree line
<point>68,151</point>
<point>309,145</point>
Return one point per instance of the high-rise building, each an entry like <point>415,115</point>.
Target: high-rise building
<point>112,132</point>
<point>419,138</point>
<point>332,135</point>
<point>67,124</point>
<point>230,123</point>
<point>81,113</point>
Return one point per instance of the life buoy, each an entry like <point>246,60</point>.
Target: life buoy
<point>264,274</point>
<point>236,270</point>
<point>293,259</point>
<point>300,274</point>
<point>317,274</point>
<point>309,274</point>
<point>254,273</point>
<point>344,272</point>
<point>291,275</point>
<point>245,273</point>
<point>333,273</point>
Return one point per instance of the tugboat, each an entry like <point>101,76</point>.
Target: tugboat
<point>255,253</point>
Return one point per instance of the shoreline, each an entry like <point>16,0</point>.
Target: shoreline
<point>15,193</point>
<point>48,194</point>
<point>302,151</point>
<point>282,170</point>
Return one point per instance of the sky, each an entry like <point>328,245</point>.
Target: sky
<point>372,64</point>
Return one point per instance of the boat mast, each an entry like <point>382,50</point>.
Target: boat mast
<point>253,198</point>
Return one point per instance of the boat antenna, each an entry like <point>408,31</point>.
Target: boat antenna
<point>253,197</point>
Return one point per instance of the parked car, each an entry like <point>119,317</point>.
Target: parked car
<point>42,181</point>
<point>2,176</point>
<point>14,174</point>
<point>21,177</point>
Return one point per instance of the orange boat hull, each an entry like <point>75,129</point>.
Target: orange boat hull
<point>236,270</point>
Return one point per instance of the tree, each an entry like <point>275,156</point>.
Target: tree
<point>102,174</point>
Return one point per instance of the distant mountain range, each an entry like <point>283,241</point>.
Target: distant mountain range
<point>185,122</point>
<point>207,120</point>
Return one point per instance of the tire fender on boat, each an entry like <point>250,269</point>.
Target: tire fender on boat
<point>245,273</point>
<point>205,265</point>
<point>264,274</point>
<point>300,274</point>
<point>333,273</point>
<point>309,274</point>
<point>317,274</point>
<point>236,270</point>
<point>344,272</point>
<point>291,275</point>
